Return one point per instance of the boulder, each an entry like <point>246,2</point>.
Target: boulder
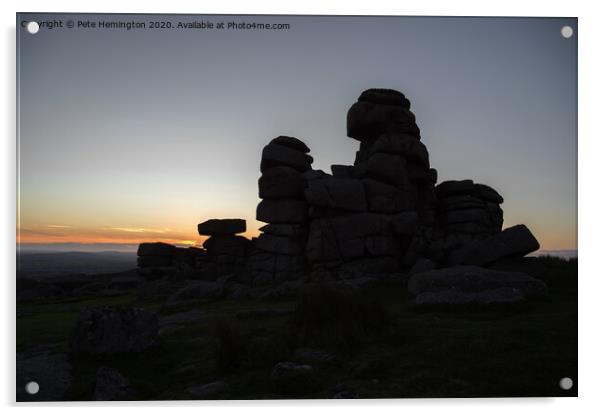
<point>384,96</point>
<point>291,142</point>
<point>156,249</point>
<point>454,187</point>
<point>278,155</point>
<point>287,211</point>
<point>281,182</point>
<point>454,297</point>
<point>511,242</point>
<point>105,331</point>
<point>232,245</point>
<point>345,194</point>
<point>112,386</point>
<point>366,120</point>
<point>487,193</point>
<point>460,202</point>
<point>474,279</point>
<point>465,215</point>
<point>222,227</point>
<point>279,244</point>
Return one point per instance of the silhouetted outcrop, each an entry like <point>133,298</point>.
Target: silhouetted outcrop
<point>383,215</point>
<point>377,215</point>
<point>280,248</point>
<point>226,251</point>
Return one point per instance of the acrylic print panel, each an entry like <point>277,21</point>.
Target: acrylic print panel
<point>271,207</point>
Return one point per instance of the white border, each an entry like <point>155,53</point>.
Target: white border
<point>590,107</point>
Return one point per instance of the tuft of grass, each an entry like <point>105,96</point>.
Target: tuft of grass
<point>333,319</point>
<point>229,347</point>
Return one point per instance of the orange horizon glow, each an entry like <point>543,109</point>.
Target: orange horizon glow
<point>62,234</point>
<point>67,234</point>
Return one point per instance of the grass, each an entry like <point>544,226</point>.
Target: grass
<point>385,347</point>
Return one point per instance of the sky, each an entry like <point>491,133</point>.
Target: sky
<point>128,136</point>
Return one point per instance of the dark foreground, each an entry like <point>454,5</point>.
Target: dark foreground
<point>373,344</point>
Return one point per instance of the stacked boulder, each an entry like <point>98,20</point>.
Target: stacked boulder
<point>376,214</point>
<point>227,252</point>
<point>279,249</point>
<point>468,208</point>
<point>467,212</point>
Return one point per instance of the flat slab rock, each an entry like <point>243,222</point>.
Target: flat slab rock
<point>511,242</point>
<point>222,227</point>
<point>469,281</point>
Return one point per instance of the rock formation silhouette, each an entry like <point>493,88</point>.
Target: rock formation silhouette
<point>382,215</point>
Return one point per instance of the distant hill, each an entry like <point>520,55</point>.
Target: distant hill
<point>51,264</point>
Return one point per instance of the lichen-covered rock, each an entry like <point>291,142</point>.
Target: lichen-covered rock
<point>156,249</point>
